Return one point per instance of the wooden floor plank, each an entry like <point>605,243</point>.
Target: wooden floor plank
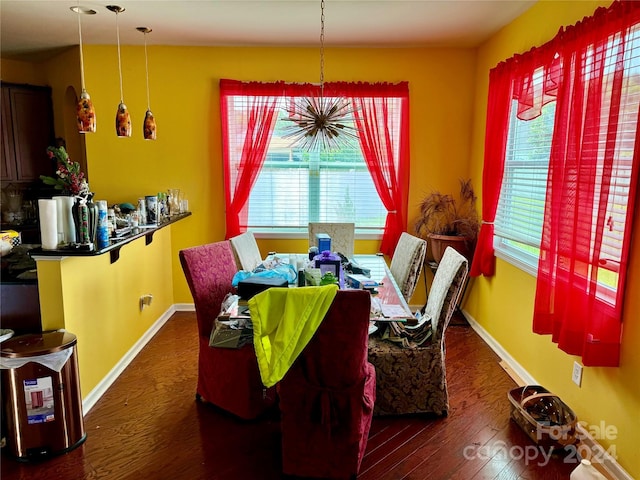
<point>149,426</point>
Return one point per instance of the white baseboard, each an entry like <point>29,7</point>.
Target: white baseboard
<point>184,307</point>
<point>94,395</point>
<point>608,463</point>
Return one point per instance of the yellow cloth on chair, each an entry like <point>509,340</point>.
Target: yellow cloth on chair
<point>284,320</point>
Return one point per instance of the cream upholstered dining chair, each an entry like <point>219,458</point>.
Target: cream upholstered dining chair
<point>407,262</point>
<point>246,251</point>
<point>342,236</point>
<point>413,380</point>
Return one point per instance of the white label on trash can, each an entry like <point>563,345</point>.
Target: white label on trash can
<point>38,395</point>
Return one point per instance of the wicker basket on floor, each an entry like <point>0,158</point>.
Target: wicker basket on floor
<point>544,417</point>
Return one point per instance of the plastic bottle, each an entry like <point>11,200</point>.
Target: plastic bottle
<point>586,471</point>
<point>103,227</point>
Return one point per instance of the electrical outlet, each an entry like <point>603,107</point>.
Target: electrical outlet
<point>576,376</point>
<point>145,301</point>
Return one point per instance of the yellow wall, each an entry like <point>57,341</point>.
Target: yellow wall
<point>16,71</point>
<point>98,301</point>
<point>503,305</point>
<point>184,100</point>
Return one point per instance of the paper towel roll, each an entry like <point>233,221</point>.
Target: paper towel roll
<point>48,224</point>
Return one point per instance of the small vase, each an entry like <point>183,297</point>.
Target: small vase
<point>85,216</point>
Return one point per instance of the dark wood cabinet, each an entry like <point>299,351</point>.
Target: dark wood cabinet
<point>27,131</point>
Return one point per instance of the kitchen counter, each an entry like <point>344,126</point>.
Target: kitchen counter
<point>115,244</point>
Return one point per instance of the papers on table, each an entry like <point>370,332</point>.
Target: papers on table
<point>393,311</point>
<point>386,312</point>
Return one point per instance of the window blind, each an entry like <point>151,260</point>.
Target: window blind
<point>524,185</point>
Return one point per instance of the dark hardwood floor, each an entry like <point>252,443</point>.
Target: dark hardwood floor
<point>148,425</point>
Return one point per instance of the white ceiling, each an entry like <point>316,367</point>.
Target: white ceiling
<point>36,28</point>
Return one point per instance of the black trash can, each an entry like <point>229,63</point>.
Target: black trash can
<point>41,398</point>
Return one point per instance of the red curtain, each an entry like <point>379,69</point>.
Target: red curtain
<point>570,303</point>
<point>258,120</point>
<point>387,157</point>
<point>495,142</point>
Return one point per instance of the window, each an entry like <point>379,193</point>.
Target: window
<point>520,214</point>
<point>518,223</point>
<point>276,187</point>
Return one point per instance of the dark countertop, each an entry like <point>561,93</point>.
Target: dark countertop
<point>18,267</point>
<point>115,243</point>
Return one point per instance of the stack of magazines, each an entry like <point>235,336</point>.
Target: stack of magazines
<point>409,336</point>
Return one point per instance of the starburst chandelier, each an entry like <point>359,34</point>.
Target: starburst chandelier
<point>321,122</point>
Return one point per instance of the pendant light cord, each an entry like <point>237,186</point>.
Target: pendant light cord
<point>81,57</point>
<point>321,49</point>
<point>146,67</point>
<point>119,63</point>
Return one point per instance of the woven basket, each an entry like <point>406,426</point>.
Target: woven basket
<point>544,417</point>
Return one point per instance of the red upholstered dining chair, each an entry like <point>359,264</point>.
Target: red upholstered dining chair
<point>328,394</point>
<point>228,378</point>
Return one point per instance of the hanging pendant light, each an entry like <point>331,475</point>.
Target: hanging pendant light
<point>123,119</point>
<point>85,113</point>
<point>149,125</point>
<point>321,122</point>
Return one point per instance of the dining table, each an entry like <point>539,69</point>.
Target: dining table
<point>387,301</point>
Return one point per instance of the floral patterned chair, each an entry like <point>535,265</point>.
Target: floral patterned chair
<point>407,262</point>
<point>228,378</point>
<point>413,380</point>
<point>328,394</point>
<point>246,251</point>
<point>342,236</point>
